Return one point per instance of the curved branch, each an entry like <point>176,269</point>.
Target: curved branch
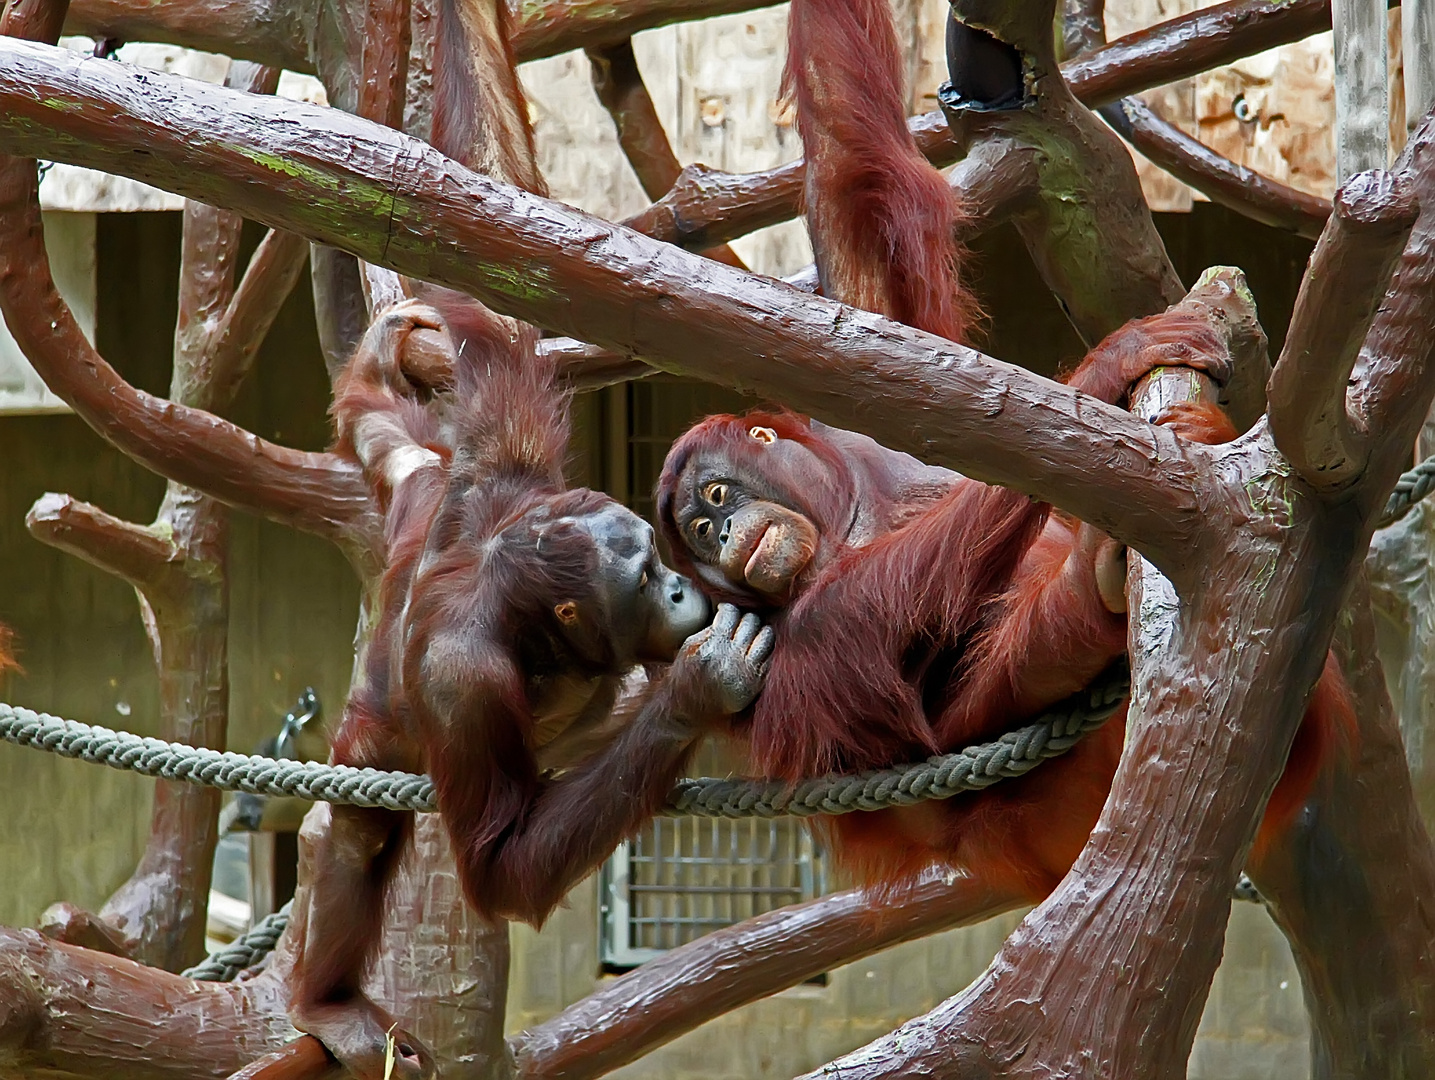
<point>267,282</point>
<point>1219,178</point>
<point>620,87</point>
<point>384,196</point>
<point>1190,44</point>
<point>550,27</point>
<point>319,493</point>
<point>736,965</point>
<point>134,553</point>
<point>1344,284</point>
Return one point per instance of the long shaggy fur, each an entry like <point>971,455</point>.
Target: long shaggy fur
<point>882,219</point>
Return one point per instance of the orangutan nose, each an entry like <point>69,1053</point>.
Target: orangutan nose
<point>726,531</point>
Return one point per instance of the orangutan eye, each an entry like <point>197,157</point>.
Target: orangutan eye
<point>763,434</point>
<point>701,527</point>
<point>716,494</point>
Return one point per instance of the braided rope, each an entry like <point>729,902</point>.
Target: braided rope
<point>243,952</point>
<point>1412,486</point>
<point>230,772</point>
<point>1014,754</point>
<point>972,769</point>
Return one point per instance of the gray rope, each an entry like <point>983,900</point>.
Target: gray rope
<point>972,769</point>
<point>1409,490</point>
<point>243,952</point>
<point>1014,754</point>
<point>230,772</point>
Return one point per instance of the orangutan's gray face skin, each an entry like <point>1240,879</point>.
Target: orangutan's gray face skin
<point>651,609</point>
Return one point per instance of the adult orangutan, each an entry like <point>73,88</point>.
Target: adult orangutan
<point>510,611</point>
<point>918,611</point>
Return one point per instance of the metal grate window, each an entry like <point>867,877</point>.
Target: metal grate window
<point>683,877</point>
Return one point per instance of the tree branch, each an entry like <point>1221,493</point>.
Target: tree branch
<point>587,367</point>
<point>620,88</point>
<point>67,1011</point>
<point>550,27</point>
<point>385,196</point>
<point>1394,377</point>
<point>1343,286</point>
<point>1348,883</point>
<point>1190,44</point>
<point>1087,226</point>
<point>736,965</point>
<point>273,270</point>
<point>1219,178</point>
<point>707,206</point>
<point>133,553</point>
<point>319,493</point>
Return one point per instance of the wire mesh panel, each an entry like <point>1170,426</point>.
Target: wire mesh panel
<point>681,878</point>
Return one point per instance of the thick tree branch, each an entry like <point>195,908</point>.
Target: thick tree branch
<point>385,65</point>
<point>69,1012</point>
<point>1219,178</point>
<point>731,967</point>
<point>587,367</point>
<point>1343,286</point>
<point>319,493</point>
<point>270,32</point>
<point>1087,227</point>
<point>1394,377</point>
<point>1349,886</point>
<point>710,207</point>
<point>133,553</point>
<point>386,197</point>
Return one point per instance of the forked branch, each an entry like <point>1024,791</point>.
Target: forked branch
<point>707,207</point>
<point>1343,286</point>
<point>621,89</point>
<point>319,493</point>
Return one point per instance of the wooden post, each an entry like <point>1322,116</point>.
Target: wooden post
<point>1417,38</point>
<point>1362,105</point>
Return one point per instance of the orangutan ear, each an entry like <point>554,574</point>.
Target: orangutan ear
<point>567,612</point>
<point>763,434</point>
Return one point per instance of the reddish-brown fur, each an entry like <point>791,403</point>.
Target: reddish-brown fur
<point>482,551</point>
<point>964,617</point>
<point>962,614</point>
<point>882,219</point>
<point>7,650</point>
